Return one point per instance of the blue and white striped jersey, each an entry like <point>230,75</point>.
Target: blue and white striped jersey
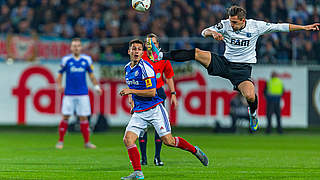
<point>140,77</point>
<point>75,70</point>
<point>241,45</point>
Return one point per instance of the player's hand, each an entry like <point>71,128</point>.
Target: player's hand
<point>60,89</point>
<point>312,27</point>
<point>98,89</point>
<point>217,36</point>
<point>174,101</point>
<point>125,91</point>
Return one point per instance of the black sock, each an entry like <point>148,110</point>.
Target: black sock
<point>179,55</point>
<point>143,146</point>
<point>158,143</point>
<point>253,105</point>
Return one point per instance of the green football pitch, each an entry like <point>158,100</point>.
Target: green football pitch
<point>31,155</point>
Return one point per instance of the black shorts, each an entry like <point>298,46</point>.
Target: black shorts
<point>235,72</point>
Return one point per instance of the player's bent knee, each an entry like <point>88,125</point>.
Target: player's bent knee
<point>128,139</point>
<point>168,140</point>
<point>203,57</point>
<point>250,96</point>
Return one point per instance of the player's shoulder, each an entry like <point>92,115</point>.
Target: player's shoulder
<point>66,58</point>
<point>144,64</point>
<point>254,22</point>
<point>86,57</point>
<point>127,65</point>
<point>224,23</point>
<point>146,67</point>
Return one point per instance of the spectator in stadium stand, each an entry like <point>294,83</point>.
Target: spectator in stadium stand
<point>273,92</point>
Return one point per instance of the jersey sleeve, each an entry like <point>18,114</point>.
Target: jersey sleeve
<point>148,75</point>
<point>63,65</point>
<point>264,27</point>
<point>151,83</point>
<point>168,71</point>
<point>90,64</point>
<point>220,28</point>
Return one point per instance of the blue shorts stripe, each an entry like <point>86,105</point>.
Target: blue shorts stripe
<point>166,121</point>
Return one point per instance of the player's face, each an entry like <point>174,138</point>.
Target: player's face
<point>135,51</point>
<point>76,47</point>
<point>236,23</point>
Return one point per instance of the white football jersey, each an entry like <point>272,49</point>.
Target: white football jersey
<point>241,45</point>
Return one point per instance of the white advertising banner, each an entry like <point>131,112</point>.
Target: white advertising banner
<point>29,96</point>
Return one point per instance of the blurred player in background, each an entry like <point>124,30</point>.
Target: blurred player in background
<point>240,36</point>
<point>76,99</point>
<point>147,109</point>
<point>161,68</point>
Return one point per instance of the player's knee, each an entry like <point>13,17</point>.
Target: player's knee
<point>168,140</point>
<point>128,141</point>
<point>197,52</point>
<point>203,57</point>
<point>250,96</point>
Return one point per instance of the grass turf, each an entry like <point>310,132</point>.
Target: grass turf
<point>31,155</point>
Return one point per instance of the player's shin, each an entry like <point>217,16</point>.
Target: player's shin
<point>134,157</point>
<point>85,130</point>
<point>185,145</point>
<point>253,105</point>
<point>63,127</point>
<point>143,147</point>
<point>158,144</point>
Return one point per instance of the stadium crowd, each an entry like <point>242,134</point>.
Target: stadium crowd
<point>98,19</point>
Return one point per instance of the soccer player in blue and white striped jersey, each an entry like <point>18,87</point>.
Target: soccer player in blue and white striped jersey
<point>147,109</point>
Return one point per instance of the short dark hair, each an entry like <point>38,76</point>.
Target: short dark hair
<point>76,39</point>
<point>237,11</point>
<point>152,35</point>
<point>133,41</point>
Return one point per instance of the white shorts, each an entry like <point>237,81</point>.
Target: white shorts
<point>76,104</point>
<point>156,116</point>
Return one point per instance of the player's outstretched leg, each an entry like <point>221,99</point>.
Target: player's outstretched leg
<point>182,55</point>
<point>143,147</point>
<point>63,127</point>
<point>247,90</point>
<point>85,130</point>
<point>134,156</point>
<point>181,143</point>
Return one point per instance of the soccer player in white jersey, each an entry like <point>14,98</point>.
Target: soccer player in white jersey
<point>76,99</point>
<point>147,109</point>
<point>240,37</point>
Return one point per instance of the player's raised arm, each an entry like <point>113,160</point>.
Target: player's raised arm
<point>265,27</point>
<point>214,31</point>
<point>311,27</point>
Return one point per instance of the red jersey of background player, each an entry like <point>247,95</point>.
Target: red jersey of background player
<point>160,67</point>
